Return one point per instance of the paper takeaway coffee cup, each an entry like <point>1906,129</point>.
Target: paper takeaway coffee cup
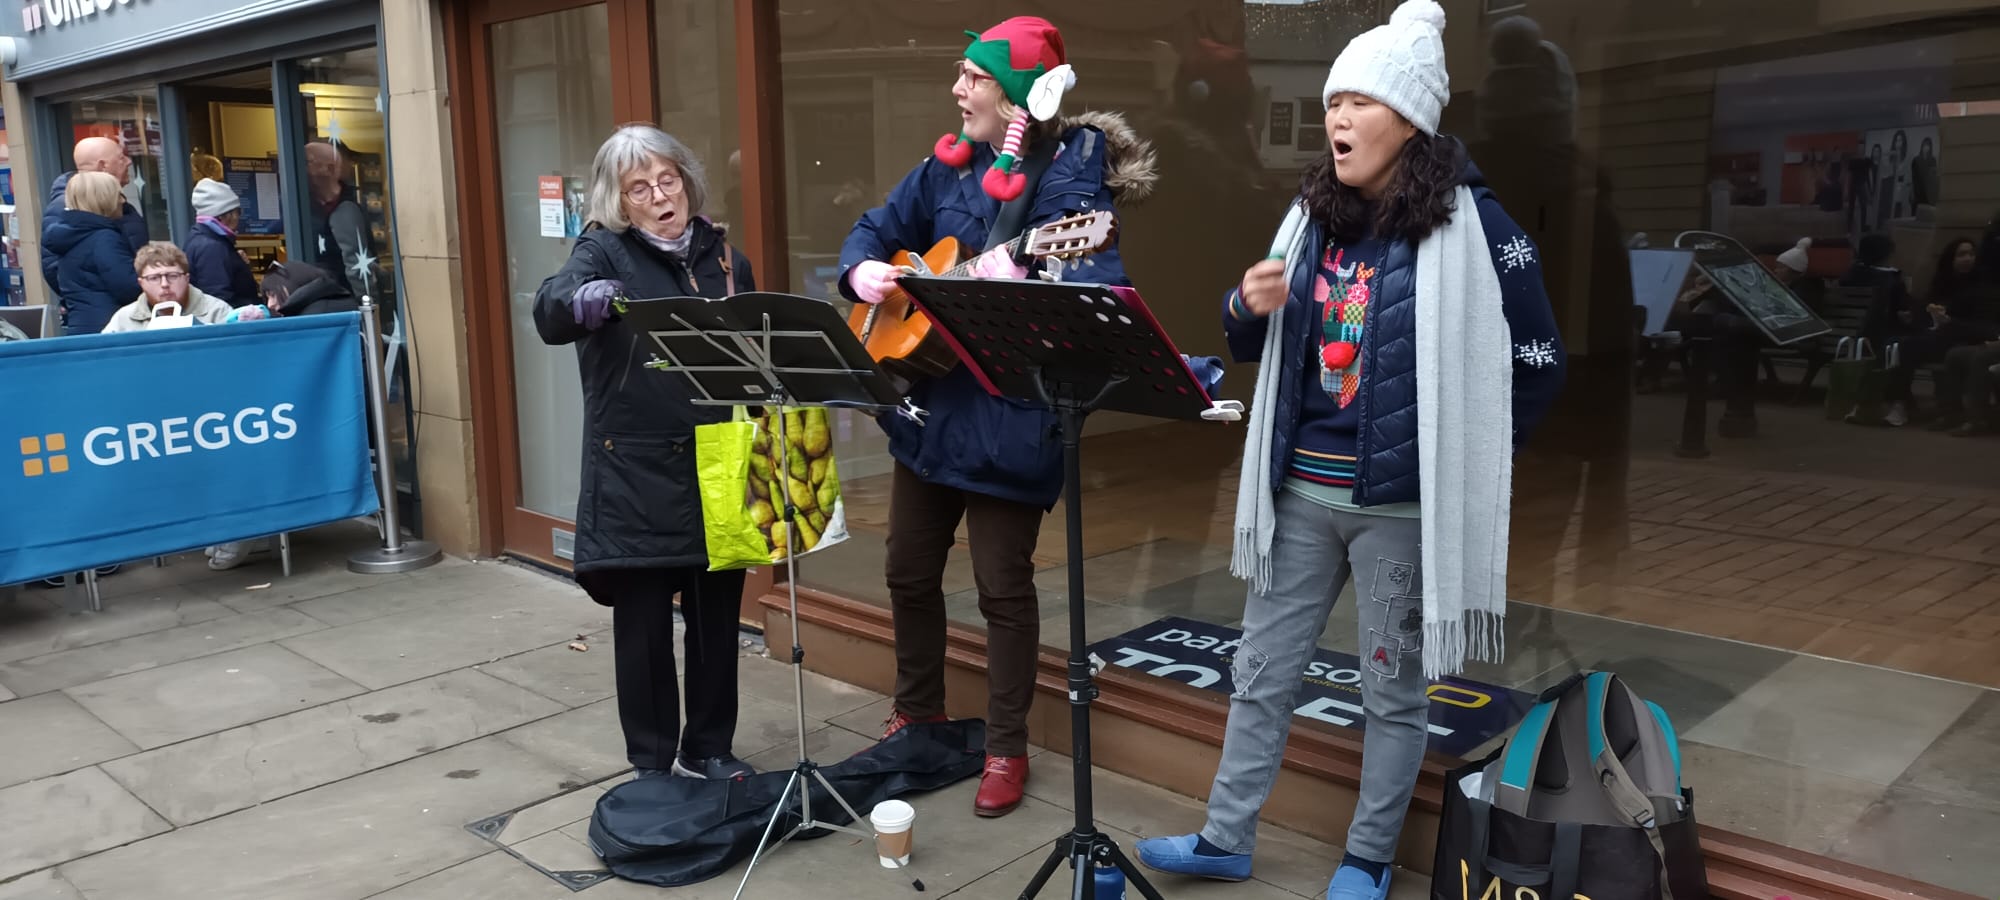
<point>892,821</point>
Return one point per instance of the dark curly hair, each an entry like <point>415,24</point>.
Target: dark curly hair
<point>1417,201</point>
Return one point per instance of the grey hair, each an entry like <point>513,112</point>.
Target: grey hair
<point>630,148</point>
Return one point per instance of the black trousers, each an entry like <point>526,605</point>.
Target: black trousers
<point>642,626</point>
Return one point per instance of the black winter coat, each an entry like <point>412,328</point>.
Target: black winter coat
<point>216,268</point>
<point>96,275</point>
<point>638,507</point>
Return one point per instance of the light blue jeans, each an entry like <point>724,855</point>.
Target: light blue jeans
<point>1315,551</point>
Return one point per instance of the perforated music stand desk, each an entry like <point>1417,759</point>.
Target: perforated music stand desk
<point>769,349</point>
<point>762,348</point>
<point>1076,349</point>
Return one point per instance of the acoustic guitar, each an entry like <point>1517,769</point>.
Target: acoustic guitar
<point>899,337</point>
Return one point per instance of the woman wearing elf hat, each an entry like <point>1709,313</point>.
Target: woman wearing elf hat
<point>1409,349</point>
<point>991,462</point>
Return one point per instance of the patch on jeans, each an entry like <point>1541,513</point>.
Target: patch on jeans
<point>1248,663</point>
<point>1394,580</point>
<point>1386,651</point>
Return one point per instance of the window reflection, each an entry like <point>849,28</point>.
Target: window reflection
<point>1699,512</point>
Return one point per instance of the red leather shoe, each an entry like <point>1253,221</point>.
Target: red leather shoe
<point>1000,789</point>
<point>897,721</point>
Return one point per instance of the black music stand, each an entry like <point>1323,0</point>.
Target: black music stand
<point>770,349</point>
<point>1076,349</point>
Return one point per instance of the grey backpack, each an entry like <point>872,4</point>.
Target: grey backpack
<point>1586,799</point>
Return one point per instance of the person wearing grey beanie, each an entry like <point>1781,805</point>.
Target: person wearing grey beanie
<point>214,265</point>
<point>1407,349</point>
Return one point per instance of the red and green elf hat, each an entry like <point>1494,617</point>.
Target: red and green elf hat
<point>1025,57</point>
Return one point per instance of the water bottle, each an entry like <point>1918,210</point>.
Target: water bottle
<point>1110,883</point>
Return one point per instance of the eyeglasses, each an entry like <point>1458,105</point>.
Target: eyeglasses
<point>643,193</point>
<point>164,277</point>
<point>968,74</point>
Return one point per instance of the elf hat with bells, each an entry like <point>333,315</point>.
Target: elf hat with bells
<point>1025,57</point>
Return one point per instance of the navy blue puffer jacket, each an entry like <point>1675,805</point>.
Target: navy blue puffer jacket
<point>96,276</point>
<point>1386,462</point>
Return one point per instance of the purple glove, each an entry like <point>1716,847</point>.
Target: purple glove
<point>591,304</point>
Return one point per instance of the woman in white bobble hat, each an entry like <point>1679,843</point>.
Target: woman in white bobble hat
<point>1408,349</point>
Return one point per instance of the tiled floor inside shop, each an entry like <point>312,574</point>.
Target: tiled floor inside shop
<point>1827,640</point>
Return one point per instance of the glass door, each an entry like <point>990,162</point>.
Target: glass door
<point>556,82</point>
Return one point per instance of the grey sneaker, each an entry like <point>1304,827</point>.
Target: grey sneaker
<point>714,768</point>
<point>639,772</point>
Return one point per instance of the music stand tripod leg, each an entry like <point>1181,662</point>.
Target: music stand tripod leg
<point>806,771</point>
<point>1085,846</point>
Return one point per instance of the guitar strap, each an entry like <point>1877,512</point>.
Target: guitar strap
<point>1013,218</point>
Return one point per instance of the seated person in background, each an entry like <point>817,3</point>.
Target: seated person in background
<point>163,276</point>
<point>1964,308</point>
<point>1892,315</point>
<point>1791,272</point>
<point>1965,390</point>
<point>214,265</point>
<point>298,289</point>
<point>1955,316</point>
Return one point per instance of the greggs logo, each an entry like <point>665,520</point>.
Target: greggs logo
<point>43,455</point>
<point>113,445</point>
<point>1492,890</point>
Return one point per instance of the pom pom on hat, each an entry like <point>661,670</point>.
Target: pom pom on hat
<point>1413,12</point>
<point>954,150</point>
<point>1797,259</point>
<point>1400,64</point>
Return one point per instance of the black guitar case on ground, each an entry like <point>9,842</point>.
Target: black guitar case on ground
<point>677,831</point>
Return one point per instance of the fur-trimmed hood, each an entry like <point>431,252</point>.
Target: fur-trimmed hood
<point>1131,168</point>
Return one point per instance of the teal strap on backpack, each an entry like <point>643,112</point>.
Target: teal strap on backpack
<point>1673,740</point>
<point>1617,783</point>
<point>1524,751</point>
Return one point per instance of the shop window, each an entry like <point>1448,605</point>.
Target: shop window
<point>232,137</point>
<point>1760,576</point>
<point>133,120</point>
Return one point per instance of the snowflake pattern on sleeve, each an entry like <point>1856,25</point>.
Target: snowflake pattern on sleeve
<point>1516,253</point>
<point>1539,354</point>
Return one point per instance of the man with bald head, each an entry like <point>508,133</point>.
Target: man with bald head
<point>92,154</point>
<point>340,226</point>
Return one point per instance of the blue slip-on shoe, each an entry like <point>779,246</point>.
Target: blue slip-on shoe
<point>1350,883</point>
<point>1176,855</point>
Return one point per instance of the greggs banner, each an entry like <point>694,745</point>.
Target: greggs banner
<point>116,447</point>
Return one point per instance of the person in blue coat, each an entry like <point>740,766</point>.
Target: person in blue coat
<point>1407,348</point>
<point>92,154</point>
<point>93,254</point>
<point>992,462</point>
<point>214,266</point>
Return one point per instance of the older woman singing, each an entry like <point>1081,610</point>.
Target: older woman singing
<point>638,519</point>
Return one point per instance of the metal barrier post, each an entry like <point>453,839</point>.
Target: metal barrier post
<point>395,555</point>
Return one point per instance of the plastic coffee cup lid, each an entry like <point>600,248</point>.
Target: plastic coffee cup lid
<point>892,815</point>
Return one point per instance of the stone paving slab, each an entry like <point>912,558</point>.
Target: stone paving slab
<point>38,624</point>
<point>346,840</point>
<point>412,645</point>
<point>235,769</point>
<point>567,676</point>
<point>189,699</point>
<point>44,885</point>
<point>55,819</point>
<point>49,735</point>
<point>138,653</point>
